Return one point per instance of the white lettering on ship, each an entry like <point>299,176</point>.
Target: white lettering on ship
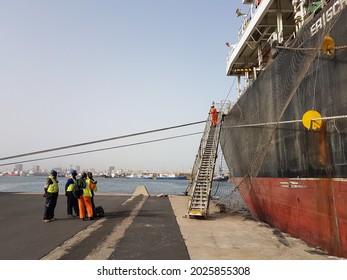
<point>328,15</point>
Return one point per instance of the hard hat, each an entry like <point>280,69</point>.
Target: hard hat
<point>73,172</point>
<point>53,172</point>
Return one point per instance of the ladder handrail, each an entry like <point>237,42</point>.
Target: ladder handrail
<point>199,155</point>
<point>203,169</point>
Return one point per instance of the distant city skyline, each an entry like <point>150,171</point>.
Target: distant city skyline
<point>108,170</point>
<point>36,169</point>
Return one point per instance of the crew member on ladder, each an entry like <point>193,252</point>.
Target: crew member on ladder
<point>214,115</point>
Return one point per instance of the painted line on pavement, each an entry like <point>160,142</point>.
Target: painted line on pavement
<point>108,246</point>
<point>65,248</point>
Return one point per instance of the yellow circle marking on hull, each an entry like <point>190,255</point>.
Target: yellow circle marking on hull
<point>308,122</point>
<point>328,46</point>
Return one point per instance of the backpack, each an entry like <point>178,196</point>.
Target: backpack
<point>99,211</point>
<point>77,189</point>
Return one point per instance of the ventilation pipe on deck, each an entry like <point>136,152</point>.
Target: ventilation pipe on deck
<point>298,13</point>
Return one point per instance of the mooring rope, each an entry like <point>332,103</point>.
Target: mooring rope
<point>330,118</point>
<point>310,49</point>
<point>285,122</point>
<point>101,149</point>
<point>102,140</point>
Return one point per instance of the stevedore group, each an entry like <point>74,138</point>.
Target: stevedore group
<point>79,194</point>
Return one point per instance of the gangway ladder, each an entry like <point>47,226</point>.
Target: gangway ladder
<point>200,184</point>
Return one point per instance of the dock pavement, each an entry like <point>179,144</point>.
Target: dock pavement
<point>140,227</point>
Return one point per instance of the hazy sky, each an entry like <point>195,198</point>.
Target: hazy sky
<point>76,71</point>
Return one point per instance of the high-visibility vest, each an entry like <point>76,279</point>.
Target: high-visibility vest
<point>86,190</point>
<point>53,188</point>
<point>91,184</point>
<point>70,187</point>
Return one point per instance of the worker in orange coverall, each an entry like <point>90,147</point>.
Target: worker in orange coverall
<point>214,115</point>
<point>84,201</point>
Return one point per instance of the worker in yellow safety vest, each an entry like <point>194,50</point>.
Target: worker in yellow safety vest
<point>84,201</point>
<point>92,184</point>
<point>51,193</point>
<point>71,200</point>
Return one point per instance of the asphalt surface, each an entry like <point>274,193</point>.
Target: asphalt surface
<point>151,230</point>
<point>140,227</point>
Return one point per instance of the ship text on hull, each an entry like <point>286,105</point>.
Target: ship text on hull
<point>326,17</point>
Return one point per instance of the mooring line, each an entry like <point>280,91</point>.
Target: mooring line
<point>102,140</point>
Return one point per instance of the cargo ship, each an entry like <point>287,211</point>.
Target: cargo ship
<point>285,138</point>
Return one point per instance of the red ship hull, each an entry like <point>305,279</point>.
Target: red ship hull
<point>314,210</point>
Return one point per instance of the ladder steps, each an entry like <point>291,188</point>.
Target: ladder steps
<point>204,167</point>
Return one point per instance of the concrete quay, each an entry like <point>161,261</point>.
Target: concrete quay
<point>139,227</point>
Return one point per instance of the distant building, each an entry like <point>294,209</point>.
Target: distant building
<point>111,170</point>
<point>36,169</point>
<point>18,167</point>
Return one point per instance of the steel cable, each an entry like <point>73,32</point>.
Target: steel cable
<point>103,149</point>
<point>100,140</point>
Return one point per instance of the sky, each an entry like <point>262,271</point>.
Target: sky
<point>74,71</point>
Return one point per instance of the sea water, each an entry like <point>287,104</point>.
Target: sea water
<point>221,192</point>
<point>35,184</point>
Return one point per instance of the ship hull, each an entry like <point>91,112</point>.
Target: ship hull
<point>314,210</point>
<point>291,177</point>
